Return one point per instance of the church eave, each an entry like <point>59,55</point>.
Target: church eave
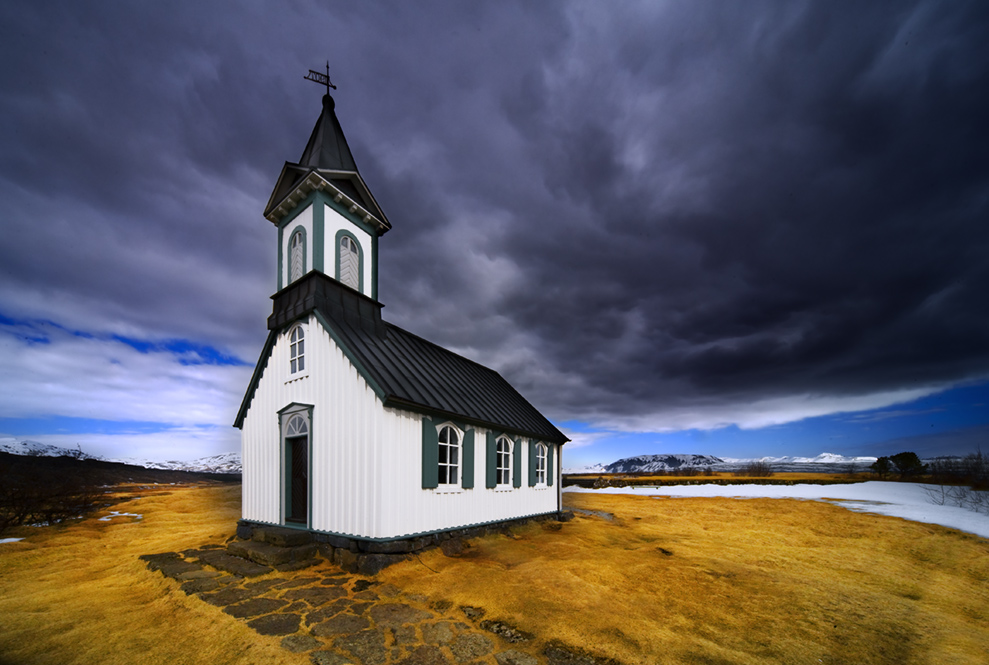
<point>317,181</point>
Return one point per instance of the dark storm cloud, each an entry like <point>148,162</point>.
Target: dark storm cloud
<point>629,210</point>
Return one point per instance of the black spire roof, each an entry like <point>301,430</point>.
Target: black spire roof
<point>326,161</point>
<point>327,147</point>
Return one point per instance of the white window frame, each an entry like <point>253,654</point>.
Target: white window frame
<point>504,449</point>
<point>542,456</point>
<point>295,356</point>
<point>443,431</point>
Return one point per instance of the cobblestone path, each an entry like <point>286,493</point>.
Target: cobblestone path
<point>340,618</point>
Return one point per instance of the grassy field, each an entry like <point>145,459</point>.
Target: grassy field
<point>729,581</point>
<point>664,581</point>
<point>79,594</point>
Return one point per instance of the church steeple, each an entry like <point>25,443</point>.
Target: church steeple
<point>327,147</point>
<point>328,220</point>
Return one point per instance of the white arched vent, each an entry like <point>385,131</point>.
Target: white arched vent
<point>297,256</point>
<point>349,262</point>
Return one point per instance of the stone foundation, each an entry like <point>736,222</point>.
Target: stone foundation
<point>275,545</point>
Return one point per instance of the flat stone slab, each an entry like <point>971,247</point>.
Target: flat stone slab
<point>316,597</point>
<point>367,646</point>
<point>276,624</point>
<point>426,655</point>
<point>255,607</point>
<point>341,624</point>
<point>232,564</point>
<point>300,643</point>
<point>393,615</point>
<point>228,596</point>
<point>281,536</point>
<point>471,646</point>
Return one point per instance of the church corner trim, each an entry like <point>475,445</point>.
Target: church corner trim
<point>259,368</point>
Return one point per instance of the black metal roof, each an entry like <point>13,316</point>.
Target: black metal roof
<point>405,370</point>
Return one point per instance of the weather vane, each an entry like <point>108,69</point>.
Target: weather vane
<point>322,79</point>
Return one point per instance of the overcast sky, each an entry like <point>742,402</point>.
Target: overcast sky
<point>673,226</point>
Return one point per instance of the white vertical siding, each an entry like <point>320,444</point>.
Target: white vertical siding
<point>366,460</point>
<point>412,509</point>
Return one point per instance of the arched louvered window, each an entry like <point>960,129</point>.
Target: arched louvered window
<point>297,254</point>
<point>449,456</point>
<point>297,350</point>
<point>297,426</point>
<point>350,262</point>
<point>503,458</point>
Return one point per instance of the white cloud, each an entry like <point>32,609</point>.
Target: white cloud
<point>104,379</point>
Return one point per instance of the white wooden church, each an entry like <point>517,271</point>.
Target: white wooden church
<point>352,427</point>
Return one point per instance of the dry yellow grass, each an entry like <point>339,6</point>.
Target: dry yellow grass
<point>754,581</point>
<point>79,594</point>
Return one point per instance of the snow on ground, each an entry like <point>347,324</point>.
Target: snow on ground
<point>907,500</point>
<point>10,540</point>
<point>116,513</point>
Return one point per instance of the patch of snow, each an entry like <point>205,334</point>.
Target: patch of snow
<point>909,501</point>
<point>10,540</point>
<point>117,513</point>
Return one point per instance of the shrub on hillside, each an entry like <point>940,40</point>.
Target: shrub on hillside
<point>756,469</point>
<point>962,482</point>
<point>30,496</point>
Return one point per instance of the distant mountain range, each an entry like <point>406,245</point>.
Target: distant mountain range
<point>223,463</point>
<point>825,462</point>
<point>643,463</point>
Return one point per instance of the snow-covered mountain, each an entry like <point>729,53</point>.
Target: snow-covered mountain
<point>223,463</point>
<point>823,458</point>
<point>590,468</point>
<point>643,463</point>
<point>38,449</point>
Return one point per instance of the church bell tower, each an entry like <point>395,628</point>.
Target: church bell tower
<point>327,218</point>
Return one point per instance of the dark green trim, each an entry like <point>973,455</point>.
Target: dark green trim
<point>339,258</point>
<point>430,455</point>
<point>374,266</point>
<point>350,356</point>
<point>287,461</point>
<point>516,463</point>
<point>467,460</point>
<point>318,237</point>
<point>491,461</point>
<point>280,266</point>
<point>532,462</point>
<point>549,464</point>
<point>259,368</point>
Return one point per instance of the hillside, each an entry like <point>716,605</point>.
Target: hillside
<point>222,463</point>
<point>99,472</point>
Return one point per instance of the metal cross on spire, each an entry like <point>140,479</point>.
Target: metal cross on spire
<point>322,79</point>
